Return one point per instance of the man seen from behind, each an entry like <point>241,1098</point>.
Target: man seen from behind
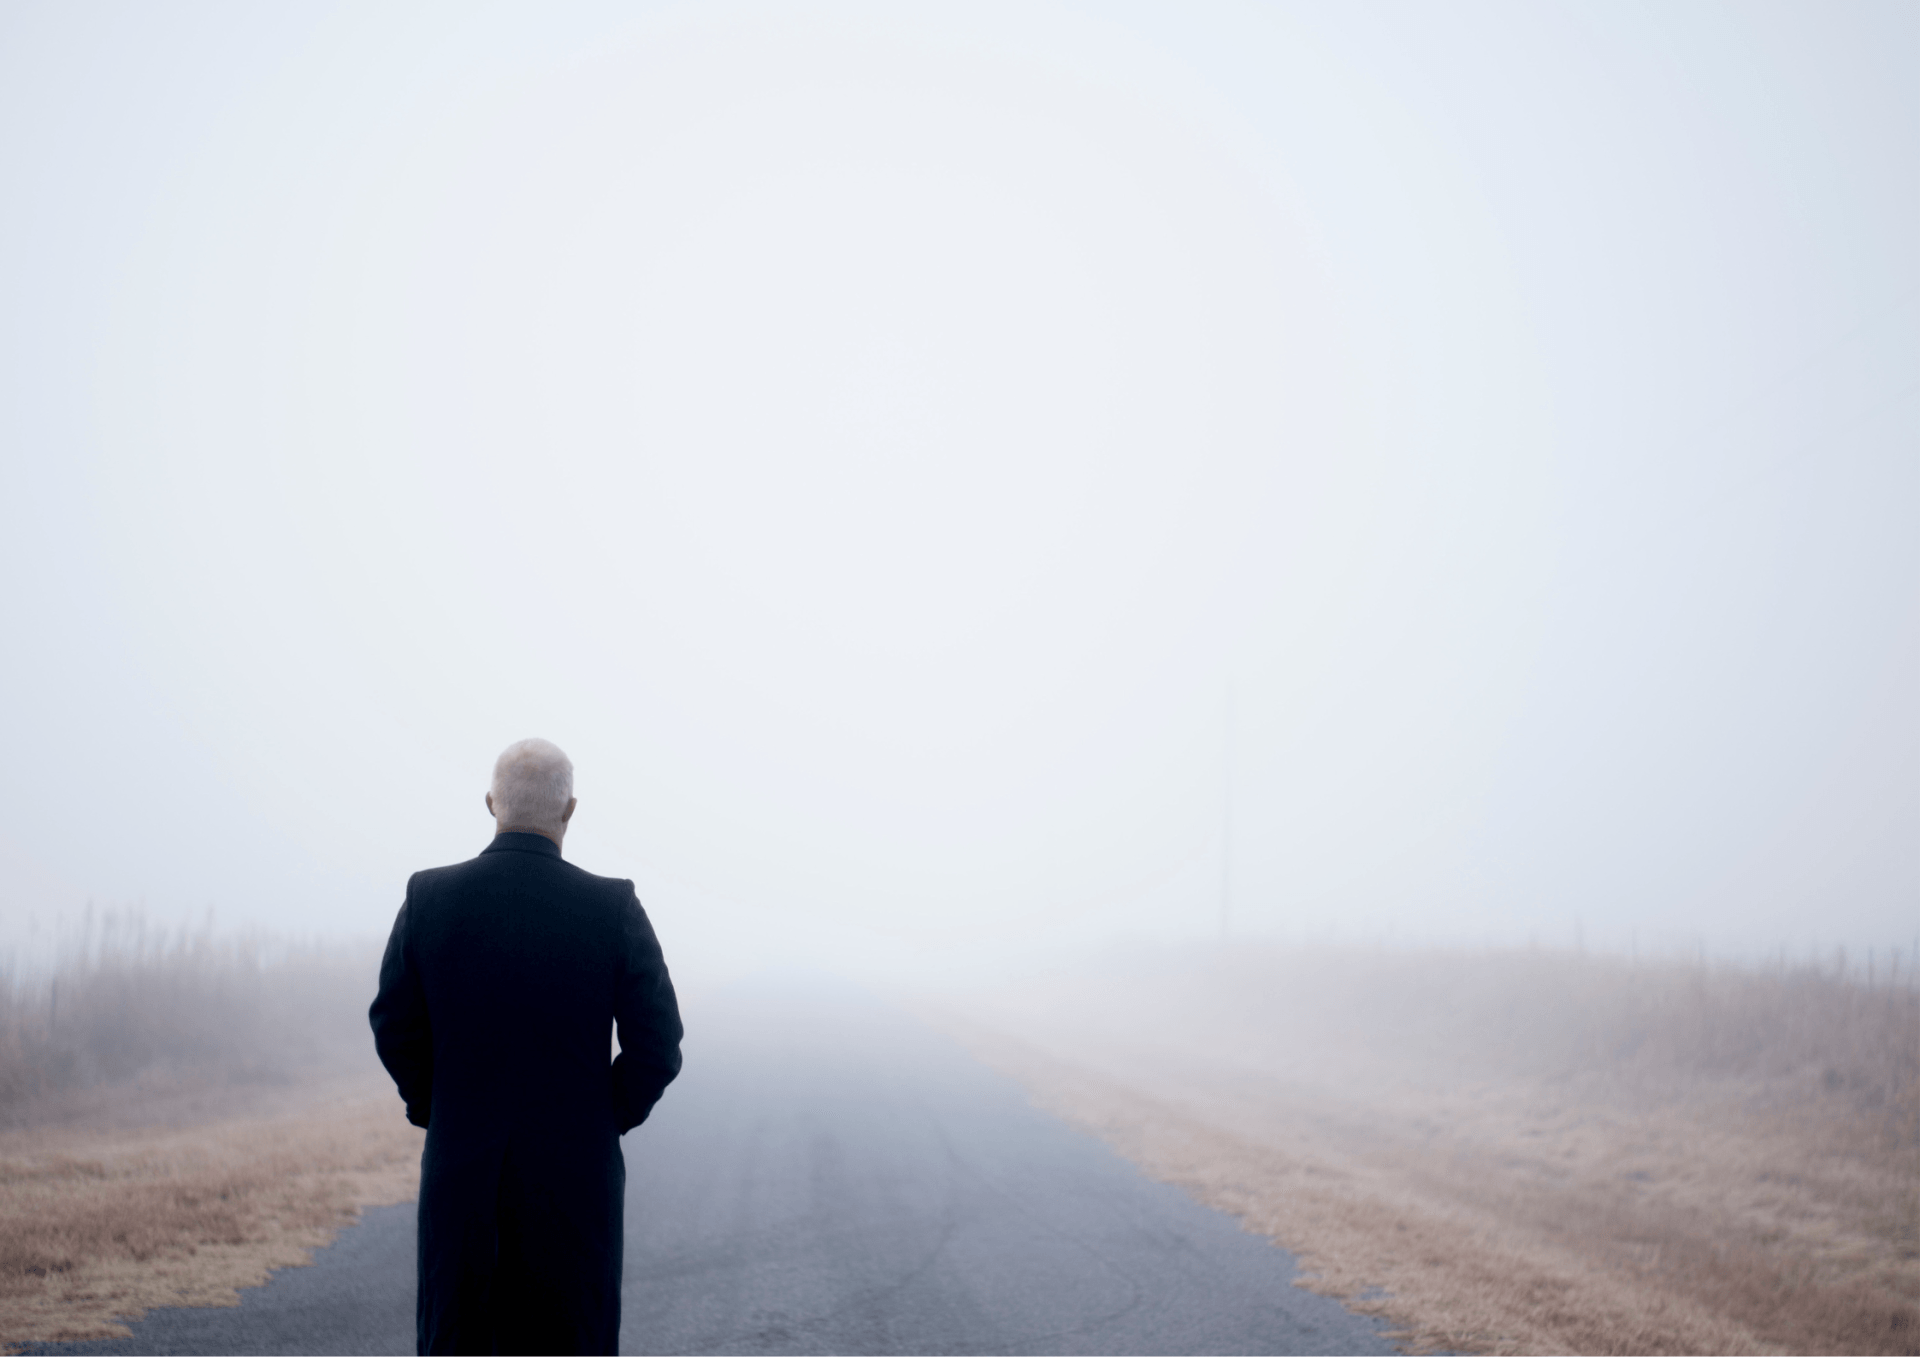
<point>501,983</point>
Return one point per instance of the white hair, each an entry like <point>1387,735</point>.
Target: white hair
<point>532,783</point>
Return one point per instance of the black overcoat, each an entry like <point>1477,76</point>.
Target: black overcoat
<point>500,985</point>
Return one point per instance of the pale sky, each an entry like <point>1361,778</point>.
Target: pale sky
<point>875,441</point>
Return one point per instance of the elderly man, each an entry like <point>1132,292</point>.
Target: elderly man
<point>499,987</point>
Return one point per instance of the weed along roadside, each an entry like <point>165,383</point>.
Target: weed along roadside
<point>1516,1152</point>
<point>181,1113</point>
<point>103,1225</point>
<point>1497,1152</point>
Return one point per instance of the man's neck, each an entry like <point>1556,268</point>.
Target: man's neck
<point>529,829</point>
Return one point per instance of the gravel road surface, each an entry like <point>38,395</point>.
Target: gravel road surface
<point>831,1176</point>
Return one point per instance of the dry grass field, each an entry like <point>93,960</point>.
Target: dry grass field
<point>178,1116</point>
<point>104,1224</point>
<point>1522,1152</point>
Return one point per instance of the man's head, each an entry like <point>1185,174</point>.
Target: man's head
<point>532,790</point>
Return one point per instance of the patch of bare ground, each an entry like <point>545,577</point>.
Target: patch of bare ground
<point>1518,1154</point>
<point>180,1196</point>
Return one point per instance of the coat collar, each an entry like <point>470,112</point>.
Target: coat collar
<point>523,843</point>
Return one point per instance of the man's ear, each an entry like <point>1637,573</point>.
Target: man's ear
<point>490,805</point>
<point>567,814</point>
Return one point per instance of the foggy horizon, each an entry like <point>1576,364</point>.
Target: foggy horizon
<point>972,482</point>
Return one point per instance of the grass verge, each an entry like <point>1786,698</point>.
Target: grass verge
<point>1516,1154</point>
<point>104,1224</point>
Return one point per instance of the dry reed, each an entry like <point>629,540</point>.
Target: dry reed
<point>129,1004</point>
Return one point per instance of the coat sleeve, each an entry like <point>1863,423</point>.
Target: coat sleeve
<point>402,1033</point>
<point>647,1018</point>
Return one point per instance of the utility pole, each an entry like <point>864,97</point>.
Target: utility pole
<point>1226,821</point>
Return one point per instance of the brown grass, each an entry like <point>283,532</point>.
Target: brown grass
<point>1500,1153</point>
<point>101,1225</point>
<point>1519,1153</point>
<point>180,1113</point>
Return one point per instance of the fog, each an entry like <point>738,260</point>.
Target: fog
<point>971,481</point>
